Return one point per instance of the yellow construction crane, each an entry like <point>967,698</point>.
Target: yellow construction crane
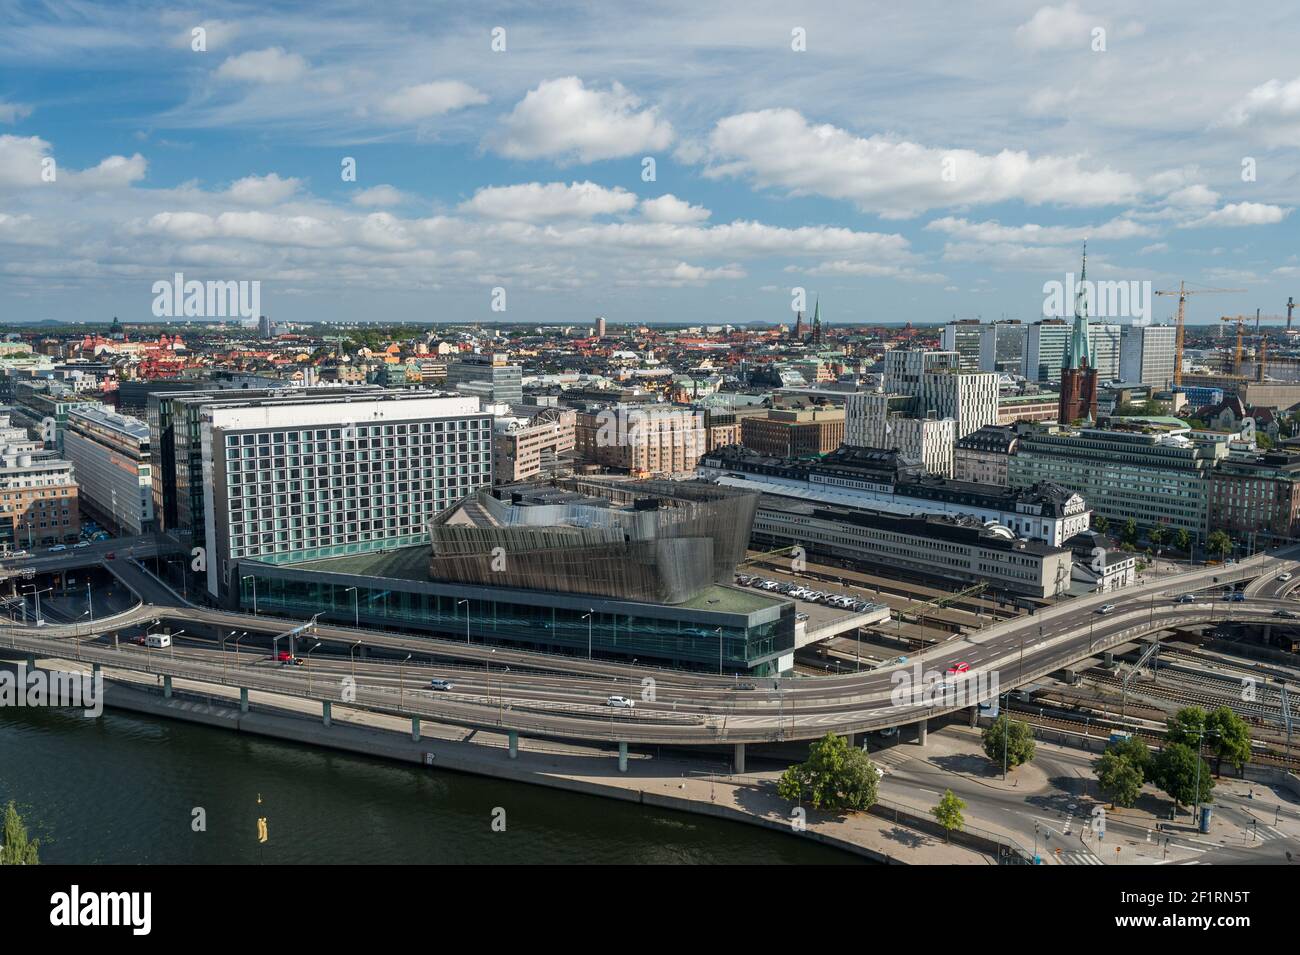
<point>1182,292</point>
<point>1261,346</point>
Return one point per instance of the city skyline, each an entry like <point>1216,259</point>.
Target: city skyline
<point>504,150</point>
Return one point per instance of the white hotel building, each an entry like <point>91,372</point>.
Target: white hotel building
<point>298,480</point>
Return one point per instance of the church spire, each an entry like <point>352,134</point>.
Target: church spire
<point>1080,350</point>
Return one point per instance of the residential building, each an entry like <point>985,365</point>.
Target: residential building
<point>1255,499</point>
<point>983,456</point>
<point>643,440</point>
<point>529,441</point>
<point>38,500</point>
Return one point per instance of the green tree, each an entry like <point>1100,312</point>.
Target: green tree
<point>1134,751</point>
<point>1228,737</point>
<point>1187,726</point>
<point>1263,441</point>
<point>948,812</point>
<point>1183,540</point>
<point>1119,780</point>
<point>1157,536</point>
<point>1018,737</point>
<point>1100,523</point>
<point>16,848</point>
<point>1130,531</point>
<point>1176,770</point>
<point>1218,543</point>
<point>836,776</point>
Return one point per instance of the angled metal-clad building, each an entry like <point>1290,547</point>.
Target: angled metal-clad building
<point>646,540</point>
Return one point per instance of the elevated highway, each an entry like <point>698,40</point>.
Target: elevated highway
<point>562,697</point>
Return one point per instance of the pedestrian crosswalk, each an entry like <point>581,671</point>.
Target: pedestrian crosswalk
<point>1079,858</point>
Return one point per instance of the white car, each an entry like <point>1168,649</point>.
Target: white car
<point>1283,577</point>
<point>1106,608</point>
<point>622,702</point>
<point>81,544</point>
<point>58,547</point>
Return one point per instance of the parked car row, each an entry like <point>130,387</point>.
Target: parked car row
<point>800,592</point>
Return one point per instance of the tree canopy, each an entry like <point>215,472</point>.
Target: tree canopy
<point>1018,737</point>
<point>836,776</point>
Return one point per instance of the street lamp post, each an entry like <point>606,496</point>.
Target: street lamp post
<point>466,603</point>
<point>401,681</point>
<point>351,656</point>
<point>587,617</point>
<point>719,651</point>
<point>254,580</point>
<point>356,607</point>
<point>308,665</point>
<point>241,637</point>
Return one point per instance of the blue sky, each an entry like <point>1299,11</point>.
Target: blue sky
<point>904,164</point>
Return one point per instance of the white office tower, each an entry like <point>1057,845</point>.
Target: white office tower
<point>968,397</point>
<point>316,477</point>
<point>1046,343</point>
<point>905,367</point>
<point>1147,355</point>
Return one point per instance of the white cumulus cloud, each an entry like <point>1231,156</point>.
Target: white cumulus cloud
<point>431,99</point>
<point>535,201</point>
<point>272,65</point>
<point>566,119</point>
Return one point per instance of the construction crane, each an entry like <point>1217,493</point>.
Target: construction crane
<point>1182,292</point>
<point>1290,307</point>
<point>1261,349</point>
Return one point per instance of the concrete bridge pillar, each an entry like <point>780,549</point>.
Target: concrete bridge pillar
<point>167,686</point>
<point>622,757</point>
<point>31,661</point>
<point>325,712</point>
<point>243,699</point>
<point>974,716</point>
<point>922,728</point>
<point>94,669</point>
<point>415,728</point>
<point>513,738</point>
<point>739,761</point>
<point>1108,659</point>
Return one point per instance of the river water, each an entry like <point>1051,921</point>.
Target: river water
<point>124,788</point>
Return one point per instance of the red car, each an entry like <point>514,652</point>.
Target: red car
<point>284,656</point>
<point>110,555</point>
<point>959,668</point>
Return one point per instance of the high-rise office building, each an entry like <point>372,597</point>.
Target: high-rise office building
<point>488,376</point>
<point>111,455</point>
<point>1047,342</point>
<point>311,478</point>
<point>1147,355</point>
<point>966,339</point>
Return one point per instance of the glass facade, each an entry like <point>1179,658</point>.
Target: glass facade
<point>622,630</point>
